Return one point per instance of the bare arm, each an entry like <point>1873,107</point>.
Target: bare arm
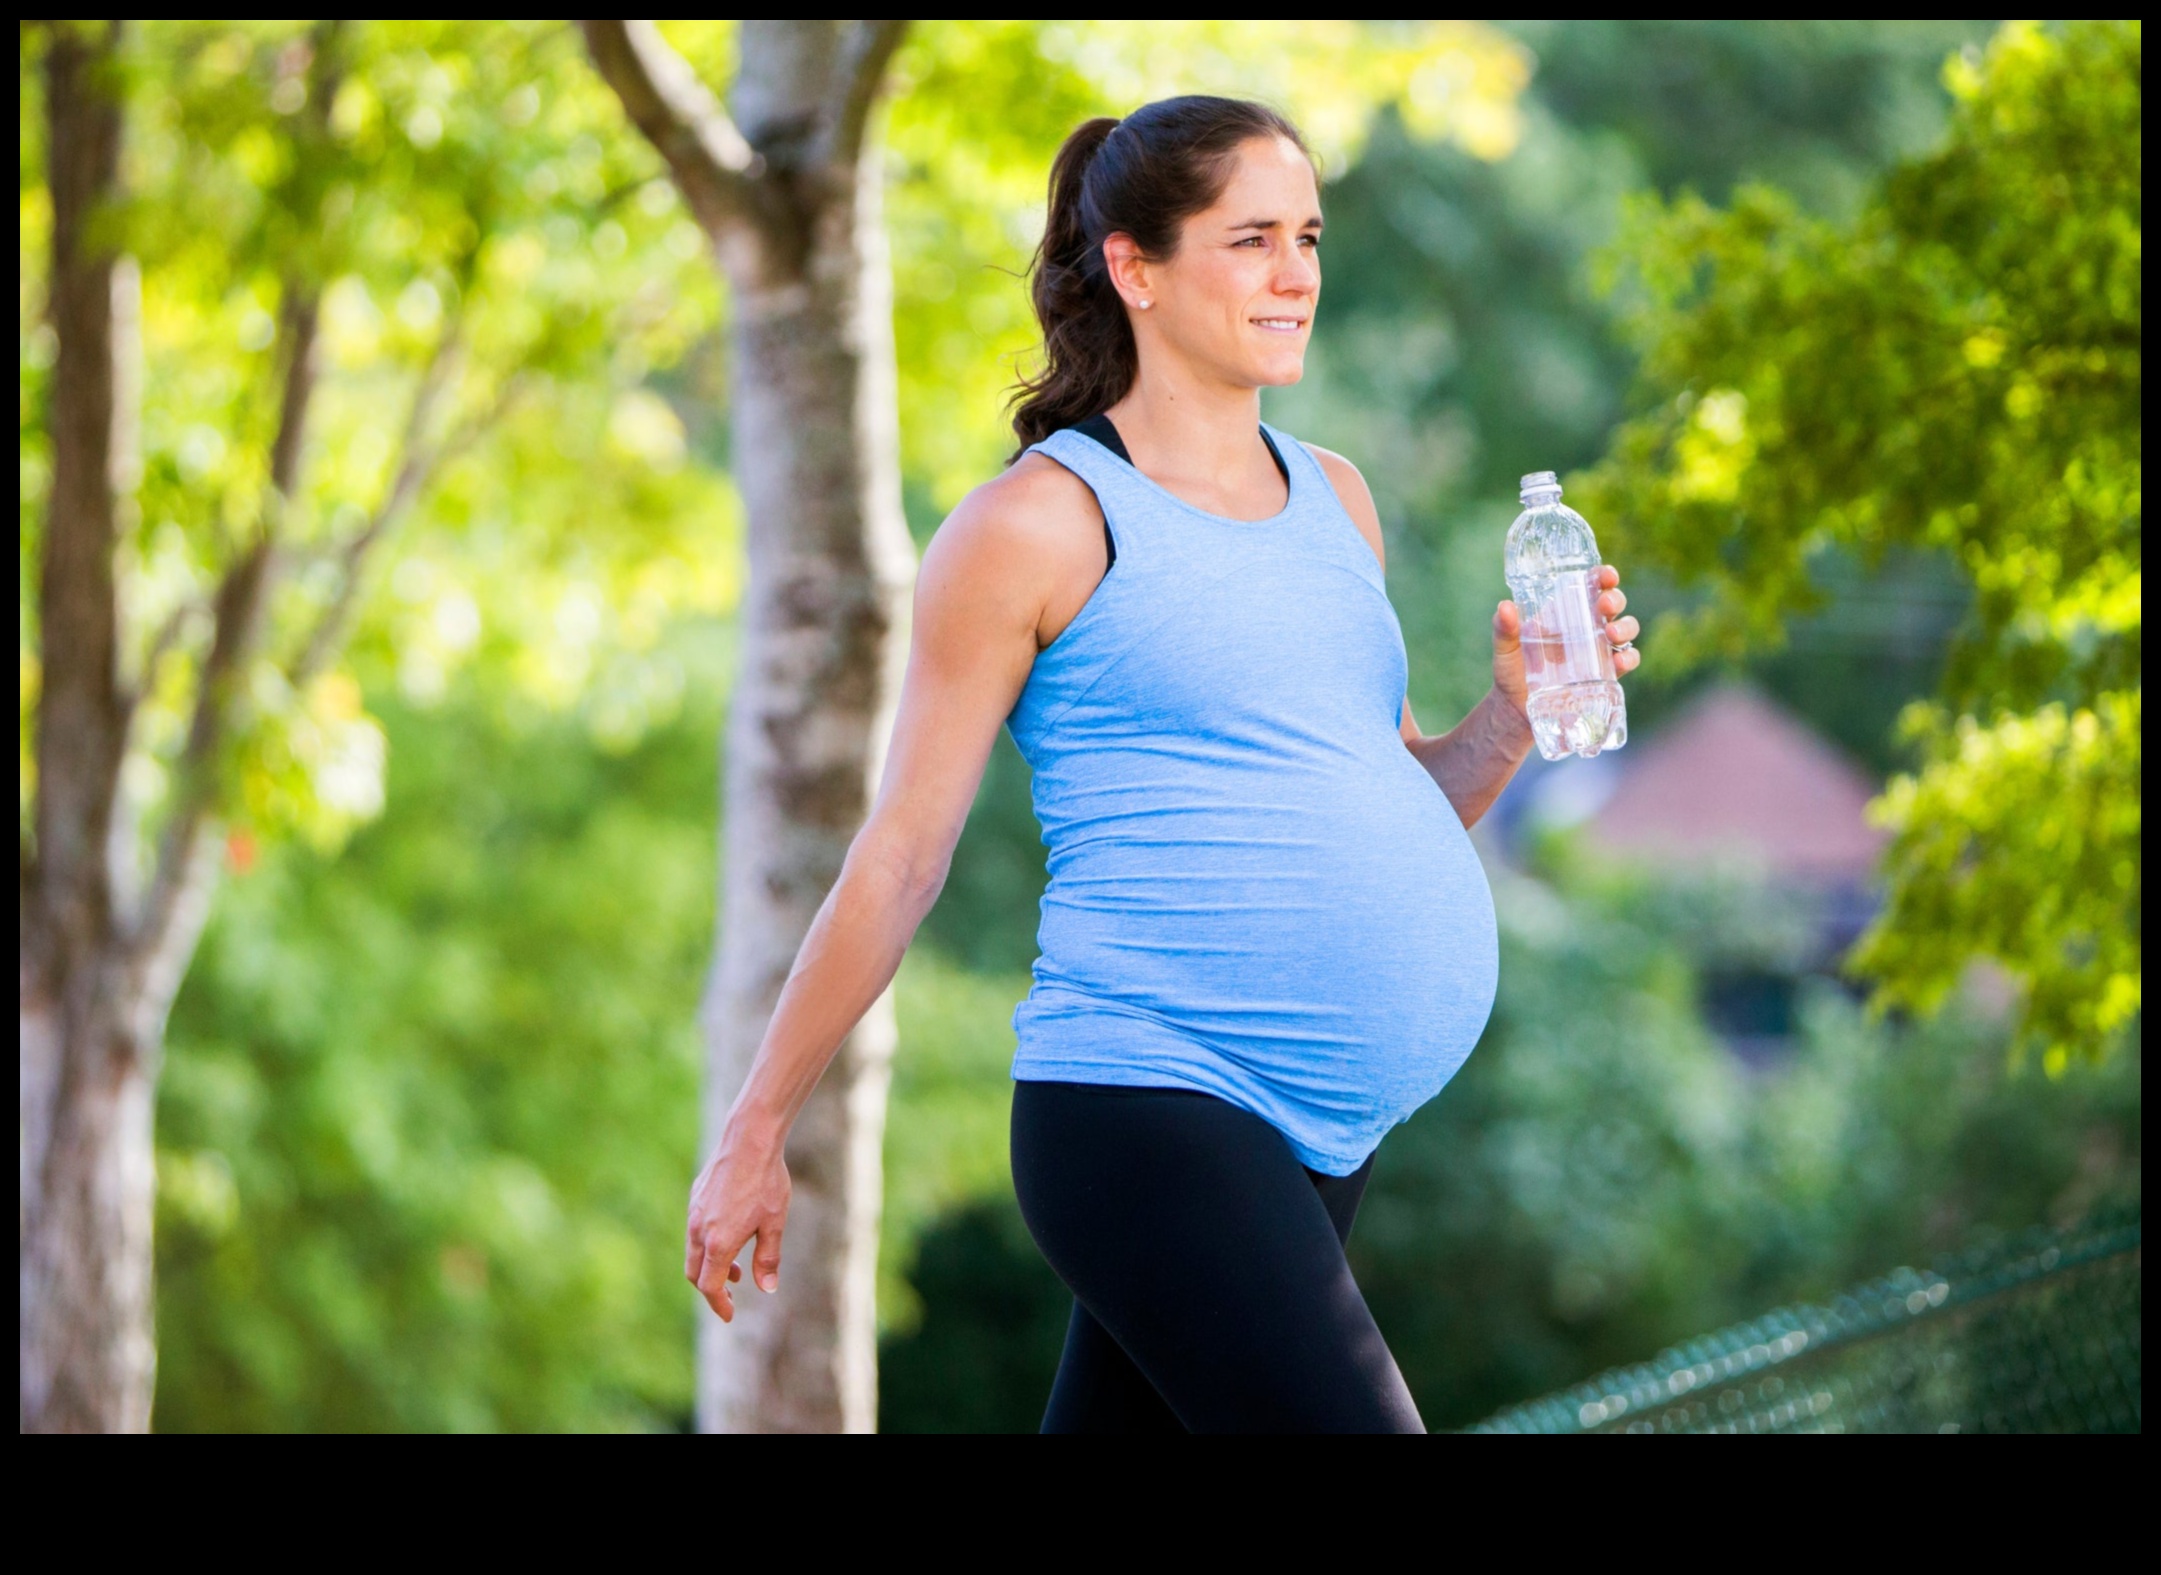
<point>967,662</point>
<point>981,597</point>
<point>1474,760</point>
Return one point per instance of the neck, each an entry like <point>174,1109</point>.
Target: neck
<point>1176,422</point>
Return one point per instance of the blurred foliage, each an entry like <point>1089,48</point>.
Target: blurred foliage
<point>1604,1177</point>
<point>987,913</point>
<point>428,1105</point>
<point>945,1129</point>
<point>982,1358</point>
<point>497,281</point>
<point>1957,369</point>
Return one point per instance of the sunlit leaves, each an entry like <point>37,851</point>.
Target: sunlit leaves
<point>501,283</point>
<point>1958,370</point>
<point>2020,840</point>
<point>315,761</point>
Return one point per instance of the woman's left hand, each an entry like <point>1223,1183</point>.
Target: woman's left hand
<point>1621,633</point>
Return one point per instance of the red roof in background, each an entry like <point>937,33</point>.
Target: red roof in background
<point>1733,777</point>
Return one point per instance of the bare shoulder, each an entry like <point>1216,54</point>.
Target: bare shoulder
<point>1033,491</point>
<point>1017,540</point>
<point>1354,494</point>
<point>1036,505</point>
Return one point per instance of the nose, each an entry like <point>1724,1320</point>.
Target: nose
<point>1299,272</point>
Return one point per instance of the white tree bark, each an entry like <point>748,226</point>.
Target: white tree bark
<point>791,198</point>
<point>85,1358</point>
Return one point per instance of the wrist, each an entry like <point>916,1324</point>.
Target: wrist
<point>752,1129</point>
<point>1511,721</point>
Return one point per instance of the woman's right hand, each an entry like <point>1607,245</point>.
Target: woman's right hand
<point>741,1193</point>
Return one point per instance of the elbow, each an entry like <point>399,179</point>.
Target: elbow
<point>924,886</point>
<point>916,875</point>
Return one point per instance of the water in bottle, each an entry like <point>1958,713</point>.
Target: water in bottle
<point>1575,699</point>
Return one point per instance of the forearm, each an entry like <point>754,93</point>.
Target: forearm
<point>854,948</point>
<point>1473,760</point>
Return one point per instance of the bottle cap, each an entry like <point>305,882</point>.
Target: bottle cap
<point>1541,481</point>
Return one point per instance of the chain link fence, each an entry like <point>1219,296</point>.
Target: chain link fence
<point>2039,1334</point>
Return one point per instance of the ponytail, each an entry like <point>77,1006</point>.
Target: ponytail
<point>1143,176</point>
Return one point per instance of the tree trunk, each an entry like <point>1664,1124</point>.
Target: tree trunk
<point>100,960</point>
<point>824,639</point>
<point>86,1361</point>
<point>791,201</point>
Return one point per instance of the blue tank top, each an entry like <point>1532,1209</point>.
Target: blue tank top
<point>1255,890</point>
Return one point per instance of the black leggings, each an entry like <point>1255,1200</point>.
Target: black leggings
<point>1210,1290</point>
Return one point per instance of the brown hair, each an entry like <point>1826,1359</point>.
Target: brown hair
<point>1144,176</point>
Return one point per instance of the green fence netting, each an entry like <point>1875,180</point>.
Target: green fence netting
<point>2039,1334</point>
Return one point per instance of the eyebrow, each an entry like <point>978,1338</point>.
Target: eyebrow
<point>1313,223</point>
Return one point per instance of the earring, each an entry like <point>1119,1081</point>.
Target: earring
<point>1144,305</point>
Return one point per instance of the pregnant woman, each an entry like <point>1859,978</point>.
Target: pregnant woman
<point>1266,938</point>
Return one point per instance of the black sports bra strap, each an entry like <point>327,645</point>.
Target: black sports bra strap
<point>1101,429</point>
<point>1105,431</point>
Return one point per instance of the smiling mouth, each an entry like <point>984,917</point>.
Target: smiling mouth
<point>1279,325</point>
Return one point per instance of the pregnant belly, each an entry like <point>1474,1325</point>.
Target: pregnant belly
<point>1344,938</point>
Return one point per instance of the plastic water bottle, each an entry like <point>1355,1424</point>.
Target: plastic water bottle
<point>1575,699</point>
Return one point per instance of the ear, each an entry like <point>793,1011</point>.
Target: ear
<point>1131,274</point>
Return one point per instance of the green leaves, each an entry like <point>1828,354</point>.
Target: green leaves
<point>2020,841</point>
<point>430,1103</point>
<point>1957,370</point>
<point>501,288</point>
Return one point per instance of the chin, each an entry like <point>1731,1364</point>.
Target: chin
<point>1278,370</point>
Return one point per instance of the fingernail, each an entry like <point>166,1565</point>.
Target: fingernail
<point>767,1283</point>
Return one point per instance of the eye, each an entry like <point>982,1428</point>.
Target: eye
<point>1252,240</point>
<point>1312,242</point>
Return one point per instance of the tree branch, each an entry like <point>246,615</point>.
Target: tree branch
<point>714,166</point>
<point>161,646</point>
<point>417,463</point>
<point>171,907</point>
<point>236,612</point>
<point>615,196</point>
<point>302,311</point>
<point>865,54</point>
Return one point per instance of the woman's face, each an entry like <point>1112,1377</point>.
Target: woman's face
<point>1236,300</point>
